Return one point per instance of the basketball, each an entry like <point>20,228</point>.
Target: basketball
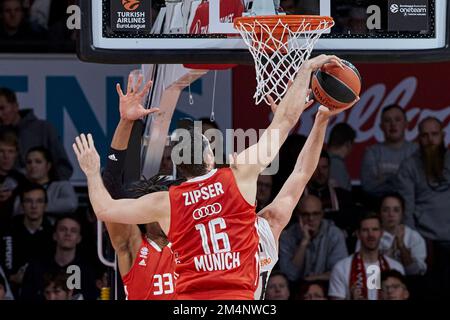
<point>336,87</point>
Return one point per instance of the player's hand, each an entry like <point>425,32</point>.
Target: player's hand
<point>131,107</point>
<point>87,155</point>
<point>308,103</point>
<point>318,62</point>
<point>324,111</point>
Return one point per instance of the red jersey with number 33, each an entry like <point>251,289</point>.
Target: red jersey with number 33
<point>152,275</point>
<point>214,238</point>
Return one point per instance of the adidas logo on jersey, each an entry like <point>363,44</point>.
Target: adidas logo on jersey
<point>112,157</point>
<point>143,263</point>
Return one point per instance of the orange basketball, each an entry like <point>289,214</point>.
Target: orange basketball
<point>336,87</point>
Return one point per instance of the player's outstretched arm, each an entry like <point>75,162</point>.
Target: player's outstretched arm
<point>128,211</point>
<point>253,160</point>
<point>285,117</point>
<point>122,235</point>
<point>125,238</point>
<point>131,107</point>
<point>279,211</point>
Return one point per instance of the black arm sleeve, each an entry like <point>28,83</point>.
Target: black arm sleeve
<point>113,173</point>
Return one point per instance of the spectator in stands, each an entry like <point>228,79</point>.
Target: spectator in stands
<point>393,286</point>
<point>333,198</point>
<point>350,276</point>
<point>166,167</point>
<point>11,180</point>
<point>337,203</point>
<point>398,241</point>
<point>14,25</point>
<point>61,195</point>
<point>340,145</point>
<point>67,236</point>
<point>55,287</point>
<point>263,191</point>
<point>30,236</point>
<point>310,248</point>
<point>424,182</point>
<point>50,16</point>
<point>33,132</point>
<point>313,290</point>
<point>382,160</point>
<point>287,156</point>
<point>301,6</point>
<point>277,287</point>
<point>5,291</point>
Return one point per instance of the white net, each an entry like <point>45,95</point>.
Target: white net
<point>279,49</point>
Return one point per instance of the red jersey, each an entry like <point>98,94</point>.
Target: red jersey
<point>152,275</point>
<point>214,238</point>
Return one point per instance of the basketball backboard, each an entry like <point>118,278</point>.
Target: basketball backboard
<point>199,31</point>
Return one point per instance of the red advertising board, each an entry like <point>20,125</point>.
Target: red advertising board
<point>421,89</point>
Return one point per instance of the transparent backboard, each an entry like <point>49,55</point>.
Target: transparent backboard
<point>202,31</point>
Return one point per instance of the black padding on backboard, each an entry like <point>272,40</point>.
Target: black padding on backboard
<point>86,51</point>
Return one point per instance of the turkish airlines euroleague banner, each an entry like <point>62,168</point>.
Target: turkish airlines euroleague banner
<point>421,89</point>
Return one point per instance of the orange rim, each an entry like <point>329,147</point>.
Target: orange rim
<point>293,21</point>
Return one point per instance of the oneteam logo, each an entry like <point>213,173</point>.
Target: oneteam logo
<point>394,8</point>
<point>131,5</point>
<point>208,210</point>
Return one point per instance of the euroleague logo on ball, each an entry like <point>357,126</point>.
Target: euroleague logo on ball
<point>131,5</point>
<point>394,8</point>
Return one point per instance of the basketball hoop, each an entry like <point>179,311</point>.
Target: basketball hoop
<point>279,45</point>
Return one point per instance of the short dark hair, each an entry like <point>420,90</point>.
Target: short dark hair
<point>341,134</point>
<point>368,215</point>
<point>45,152</point>
<point>70,216</point>
<point>145,186</point>
<point>304,287</point>
<point>9,95</point>
<point>9,137</point>
<point>208,121</point>
<point>324,154</point>
<point>193,169</point>
<point>394,195</point>
<point>59,280</point>
<point>279,273</point>
<point>392,273</point>
<point>428,119</point>
<point>28,187</point>
<point>391,107</point>
<point>47,156</point>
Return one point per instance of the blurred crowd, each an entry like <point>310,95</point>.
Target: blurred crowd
<point>392,227</point>
<point>34,24</point>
